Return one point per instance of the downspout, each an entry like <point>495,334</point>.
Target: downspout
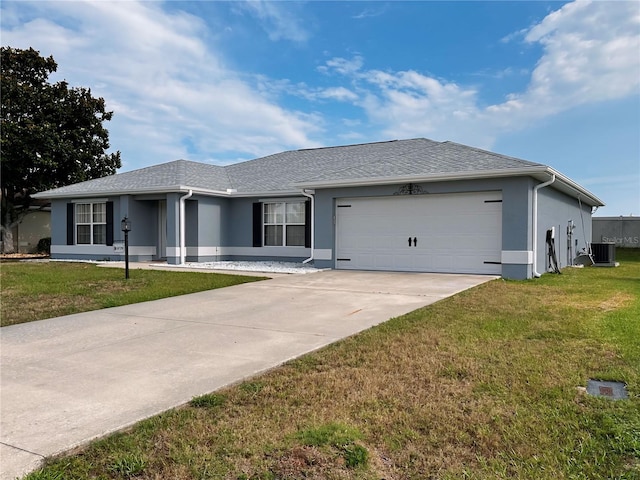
<point>313,221</point>
<point>535,222</point>
<point>183,246</point>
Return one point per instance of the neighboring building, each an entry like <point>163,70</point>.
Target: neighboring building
<point>623,231</point>
<point>33,227</point>
<point>404,205</point>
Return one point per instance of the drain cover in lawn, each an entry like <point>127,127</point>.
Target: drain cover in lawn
<point>611,390</point>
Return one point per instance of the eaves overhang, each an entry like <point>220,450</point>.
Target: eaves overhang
<point>52,194</point>
<point>568,186</point>
<point>267,193</point>
<point>541,172</point>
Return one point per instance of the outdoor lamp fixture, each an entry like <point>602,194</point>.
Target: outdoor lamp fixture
<point>126,228</point>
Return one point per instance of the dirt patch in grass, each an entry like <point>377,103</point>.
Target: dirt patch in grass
<point>617,301</point>
<point>15,257</point>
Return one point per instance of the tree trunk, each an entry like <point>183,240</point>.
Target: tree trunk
<point>7,241</point>
<point>7,237</point>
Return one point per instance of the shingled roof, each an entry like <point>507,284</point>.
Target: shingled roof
<point>286,172</point>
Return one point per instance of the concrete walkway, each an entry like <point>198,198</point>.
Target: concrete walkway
<point>68,380</point>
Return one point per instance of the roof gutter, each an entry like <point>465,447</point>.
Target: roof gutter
<point>138,191</point>
<point>462,175</point>
<point>537,171</point>
<point>534,228</point>
<point>310,194</point>
<point>183,246</point>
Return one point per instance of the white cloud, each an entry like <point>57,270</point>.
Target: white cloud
<point>500,74</point>
<point>370,12</point>
<point>163,82</point>
<point>342,66</point>
<point>279,23</point>
<point>591,53</point>
<point>410,104</point>
<point>166,84</point>
<point>339,94</point>
<point>418,105</point>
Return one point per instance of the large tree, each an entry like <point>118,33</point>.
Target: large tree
<point>52,135</point>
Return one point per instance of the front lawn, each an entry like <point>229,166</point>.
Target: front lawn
<point>34,291</point>
<point>486,384</point>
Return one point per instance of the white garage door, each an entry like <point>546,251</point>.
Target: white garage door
<point>455,233</point>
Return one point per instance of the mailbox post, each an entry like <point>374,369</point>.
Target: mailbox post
<point>126,228</point>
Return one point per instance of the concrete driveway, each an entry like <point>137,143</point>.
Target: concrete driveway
<point>68,380</point>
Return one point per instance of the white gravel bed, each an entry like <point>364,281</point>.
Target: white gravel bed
<point>265,267</point>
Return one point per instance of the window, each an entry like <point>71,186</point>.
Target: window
<point>91,223</point>
<point>284,224</point>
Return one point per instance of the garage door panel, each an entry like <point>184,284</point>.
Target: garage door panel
<point>454,232</point>
<point>406,262</point>
<point>477,264</point>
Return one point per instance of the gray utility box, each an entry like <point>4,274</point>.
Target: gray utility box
<point>604,254</point>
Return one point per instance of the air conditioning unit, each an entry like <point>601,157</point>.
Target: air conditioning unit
<point>604,254</point>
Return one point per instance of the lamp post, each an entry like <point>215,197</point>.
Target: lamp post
<point>126,228</point>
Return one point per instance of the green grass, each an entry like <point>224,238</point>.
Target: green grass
<point>488,384</point>
<point>34,291</point>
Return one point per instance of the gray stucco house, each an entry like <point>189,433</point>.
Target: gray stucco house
<point>403,205</point>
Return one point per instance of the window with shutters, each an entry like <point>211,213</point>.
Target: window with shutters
<point>91,223</point>
<point>284,224</point>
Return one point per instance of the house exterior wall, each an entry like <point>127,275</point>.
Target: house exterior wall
<point>222,228</point>
<point>59,247</point>
<point>58,225</point>
<point>142,238</point>
<point>173,227</point>
<point>207,227</point>
<point>192,226</point>
<point>516,215</point>
<point>555,209</point>
<point>144,227</point>
<point>207,221</point>
<point>238,244</point>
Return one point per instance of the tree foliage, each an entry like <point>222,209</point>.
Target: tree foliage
<point>52,135</point>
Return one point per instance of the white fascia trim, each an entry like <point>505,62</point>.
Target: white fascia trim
<point>91,200</point>
<point>576,188</point>
<point>424,178</point>
<point>299,198</point>
<point>271,195</point>
<point>100,250</point>
<point>517,257</point>
<point>621,218</point>
<point>204,191</point>
<point>137,191</point>
<point>165,190</point>
<point>540,172</point>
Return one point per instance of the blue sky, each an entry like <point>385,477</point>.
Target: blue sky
<point>551,82</point>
